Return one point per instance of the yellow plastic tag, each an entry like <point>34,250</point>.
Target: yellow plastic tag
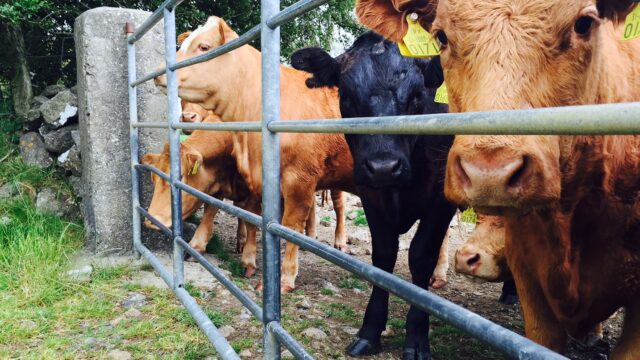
<point>196,167</point>
<point>418,42</point>
<point>632,25</point>
<point>442,94</point>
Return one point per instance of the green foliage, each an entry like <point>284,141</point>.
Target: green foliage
<point>360,218</point>
<point>326,291</point>
<point>47,26</point>
<point>228,262</point>
<point>352,283</point>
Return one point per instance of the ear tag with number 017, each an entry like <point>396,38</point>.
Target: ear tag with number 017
<point>632,25</point>
<point>418,42</point>
<point>442,94</point>
<point>196,167</point>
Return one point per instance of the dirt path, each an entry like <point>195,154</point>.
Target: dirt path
<point>332,301</point>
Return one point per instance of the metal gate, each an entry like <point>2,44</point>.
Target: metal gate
<point>617,119</point>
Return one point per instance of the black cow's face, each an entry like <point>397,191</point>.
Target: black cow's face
<point>375,80</point>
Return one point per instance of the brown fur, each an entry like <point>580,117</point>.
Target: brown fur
<point>572,238</point>
<point>308,161</point>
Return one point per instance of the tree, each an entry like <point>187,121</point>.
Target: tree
<point>48,27</point>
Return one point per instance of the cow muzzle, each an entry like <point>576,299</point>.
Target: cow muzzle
<point>470,260</point>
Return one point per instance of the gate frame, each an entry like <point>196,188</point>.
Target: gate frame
<point>588,119</point>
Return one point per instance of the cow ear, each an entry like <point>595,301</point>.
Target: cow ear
<point>182,37</point>
<point>324,68</point>
<point>387,17</point>
<point>226,32</point>
<point>150,159</point>
<point>432,72</point>
<point>616,10</point>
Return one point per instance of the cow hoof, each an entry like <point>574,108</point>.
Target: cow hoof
<point>416,354</point>
<point>343,248</point>
<point>249,272</point>
<point>437,283</point>
<point>189,258</point>
<point>508,299</point>
<point>363,347</point>
<point>285,289</point>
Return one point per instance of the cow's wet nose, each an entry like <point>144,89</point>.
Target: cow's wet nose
<point>189,117</point>
<point>467,260</point>
<point>382,172</point>
<point>495,177</point>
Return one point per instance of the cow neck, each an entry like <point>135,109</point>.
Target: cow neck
<point>213,145</point>
<point>239,100</point>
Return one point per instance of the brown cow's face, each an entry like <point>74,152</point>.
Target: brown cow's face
<point>516,54</point>
<point>482,255</point>
<point>193,113</point>
<point>198,82</point>
<point>193,173</point>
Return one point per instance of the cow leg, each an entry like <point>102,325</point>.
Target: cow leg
<point>340,240</point>
<point>204,231</point>
<point>509,294</point>
<point>297,205</point>
<point>241,233</point>
<point>248,259</point>
<point>628,346</point>
<point>310,224</point>
<point>383,255</point>
<point>439,277</point>
<point>423,256</point>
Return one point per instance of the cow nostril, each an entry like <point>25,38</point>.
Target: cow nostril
<point>370,167</point>
<point>473,260</point>
<point>519,174</point>
<point>460,172</point>
<point>396,168</point>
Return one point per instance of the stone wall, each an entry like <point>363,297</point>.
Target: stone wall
<point>103,113</point>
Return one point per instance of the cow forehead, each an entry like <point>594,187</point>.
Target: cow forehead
<point>211,23</point>
<point>479,15</point>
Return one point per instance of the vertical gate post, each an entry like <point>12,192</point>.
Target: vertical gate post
<point>270,45</point>
<point>174,144</point>
<point>133,139</point>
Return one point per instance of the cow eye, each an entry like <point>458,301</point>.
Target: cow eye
<point>583,25</point>
<point>204,47</point>
<point>442,38</point>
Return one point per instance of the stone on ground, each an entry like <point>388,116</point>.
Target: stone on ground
<point>33,151</point>
<point>59,141</point>
<point>52,90</point>
<point>59,109</point>
<point>119,355</point>
<point>315,333</point>
<point>226,330</point>
<point>48,201</point>
<point>134,300</point>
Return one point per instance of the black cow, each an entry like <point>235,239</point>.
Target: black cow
<point>399,177</point>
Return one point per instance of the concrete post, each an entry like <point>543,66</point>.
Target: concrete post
<point>101,50</point>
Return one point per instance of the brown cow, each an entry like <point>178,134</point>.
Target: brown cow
<point>572,203</point>
<point>234,94</point>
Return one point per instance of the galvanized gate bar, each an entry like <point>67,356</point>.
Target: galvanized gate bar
<point>300,8</point>
<point>288,341</point>
<point>506,341</point>
<point>270,46</point>
<point>152,20</point>
<point>620,119</point>
<point>163,229</point>
<point>220,276</point>
<point>598,119</point>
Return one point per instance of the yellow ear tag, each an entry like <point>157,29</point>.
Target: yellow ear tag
<point>632,25</point>
<point>418,42</point>
<point>442,94</point>
<point>196,166</point>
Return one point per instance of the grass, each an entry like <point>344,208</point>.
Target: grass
<point>360,219</point>
<point>326,219</point>
<point>352,283</point>
<point>227,260</point>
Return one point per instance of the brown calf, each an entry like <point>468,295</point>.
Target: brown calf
<point>571,203</point>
